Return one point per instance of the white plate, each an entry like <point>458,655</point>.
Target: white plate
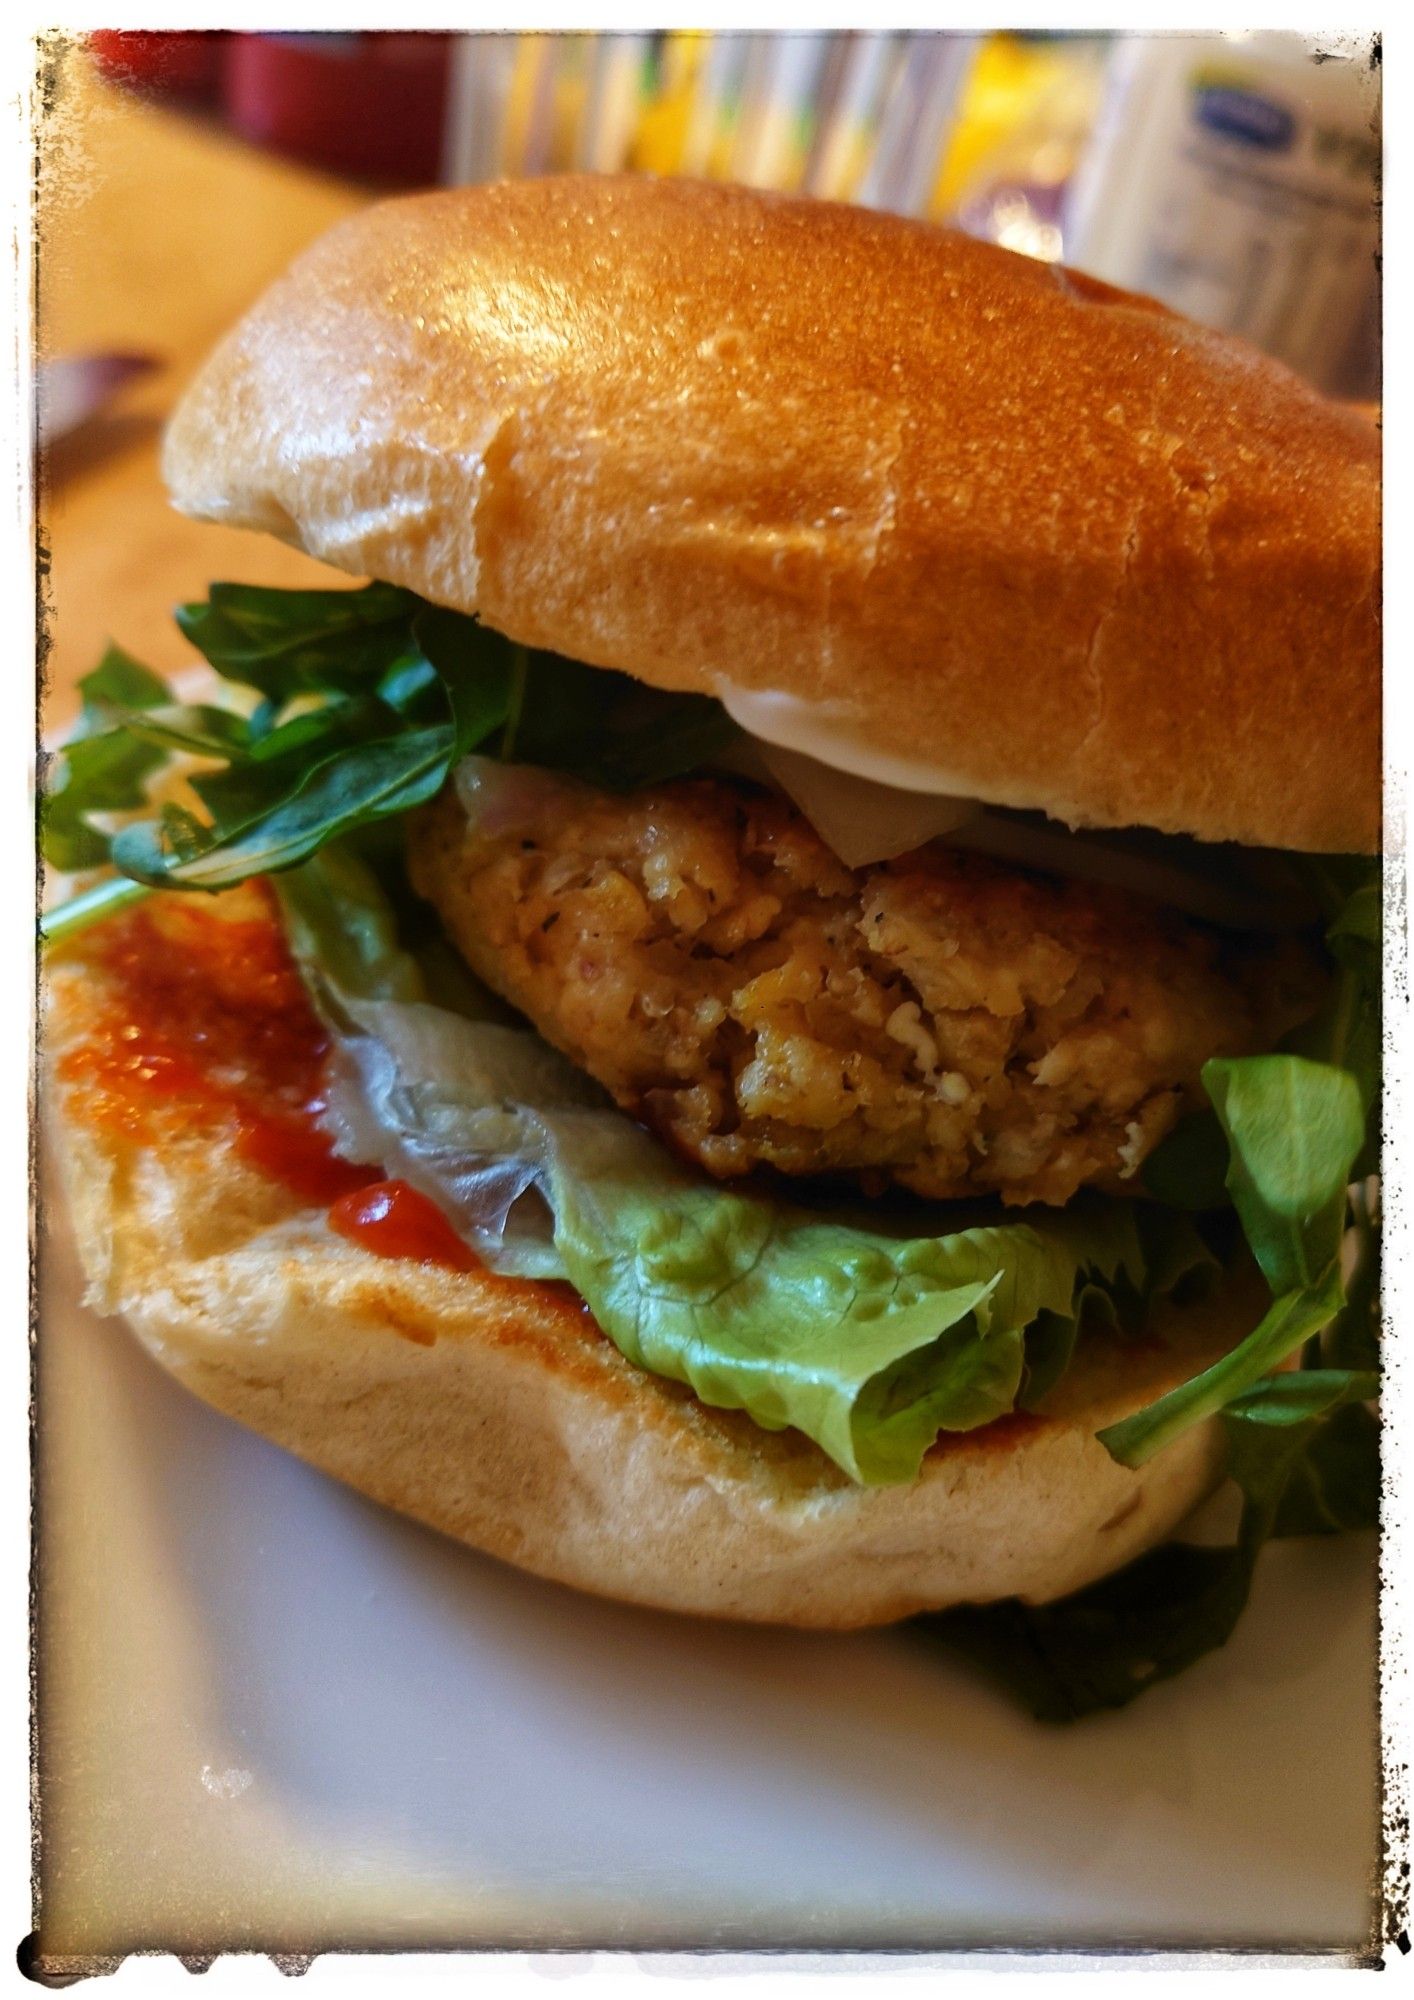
<point>277,1716</point>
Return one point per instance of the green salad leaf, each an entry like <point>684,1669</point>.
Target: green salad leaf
<point>350,708</point>
<point>290,642</point>
<point>397,701</point>
<point>1303,1449</point>
<point>869,1332</point>
<point>1293,1129</point>
<point>104,767</point>
<point>870,1346</point>
<point>1299,1126</point>
<point>869,1339</point>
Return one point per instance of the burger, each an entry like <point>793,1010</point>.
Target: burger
<point>776,1014</point>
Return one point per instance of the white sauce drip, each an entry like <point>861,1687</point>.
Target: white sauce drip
<point>820,730</point>
<point>870,805</point>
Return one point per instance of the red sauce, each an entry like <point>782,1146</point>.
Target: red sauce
<point>205,1025</point>
<point>392,1219</point>
<point>206,1022</point>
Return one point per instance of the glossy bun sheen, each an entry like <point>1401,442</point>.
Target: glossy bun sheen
<point>1079,553</point>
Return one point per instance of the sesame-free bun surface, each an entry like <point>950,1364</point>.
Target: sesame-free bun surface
<point>1074,551</point>
<point>497,1412</point>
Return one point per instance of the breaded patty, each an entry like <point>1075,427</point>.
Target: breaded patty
<point>937,1021</point>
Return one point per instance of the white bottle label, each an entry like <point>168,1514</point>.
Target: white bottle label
<point>1268,222</point>
<point>1242,191</point>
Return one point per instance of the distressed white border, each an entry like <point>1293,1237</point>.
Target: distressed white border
<point>1397,1545</point>
<point>16,989</point>
<point>609,1974</point>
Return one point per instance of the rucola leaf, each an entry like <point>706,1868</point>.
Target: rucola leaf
<point>1303,1449</point>
<point>360,703</point>
<point>287,642</point>
<point>100,769</point>
<point>1299,1127</point>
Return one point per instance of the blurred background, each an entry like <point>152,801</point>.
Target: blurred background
<point>1234,176</point>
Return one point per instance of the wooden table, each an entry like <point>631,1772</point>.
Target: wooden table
<point>156,230</point>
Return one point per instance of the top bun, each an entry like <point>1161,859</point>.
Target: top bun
<point>1077,552</point>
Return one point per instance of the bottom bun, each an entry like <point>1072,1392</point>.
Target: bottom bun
<point>495,1411</point>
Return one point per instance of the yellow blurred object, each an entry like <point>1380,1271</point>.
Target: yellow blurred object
<point>1003,78</point>
<point>520,101</point>
<point>852,114</point>
<point>1026,104</point>
<point>662,130</point>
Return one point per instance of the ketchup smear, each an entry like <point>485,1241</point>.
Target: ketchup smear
<point>394,1220</point>
<point>205,1023</point>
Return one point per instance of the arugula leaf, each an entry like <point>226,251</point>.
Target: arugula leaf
<point>1303,1450</point>
<point>1299,1127</point>
<point>1293,1128</point>
<point>608,729</point>
<point>120,678</point>
<point>345,790</point>
<point>100,770</point>
<point>1188,1167</point>
<point>1288,1322</point>
<point>189,731</point>
<point>1334,1484</point>
<point>1280,1419</point>
<point>358,703</point>
<point>357,756</point>
<point>287,642</point>
<point>91,906</point>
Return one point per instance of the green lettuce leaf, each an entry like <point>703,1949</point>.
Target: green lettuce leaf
<point>869,1340</point>
<point>1303,1449</point>
<point>868,1345</point>
<point>354,705</point>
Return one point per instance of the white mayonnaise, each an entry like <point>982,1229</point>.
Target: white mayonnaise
<point>870,805</point>
<point>822,731</point>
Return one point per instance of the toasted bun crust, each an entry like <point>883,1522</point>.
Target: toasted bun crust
<point>1075,551</point>
<point>496,1412</point>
